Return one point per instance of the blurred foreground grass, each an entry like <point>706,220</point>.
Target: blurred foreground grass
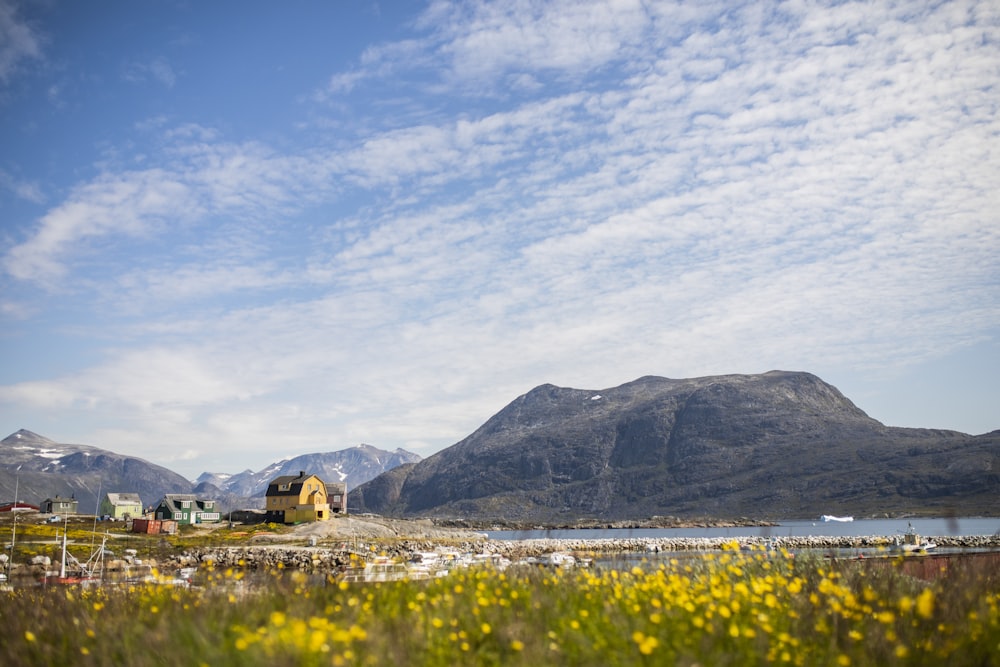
<point>733,608</point>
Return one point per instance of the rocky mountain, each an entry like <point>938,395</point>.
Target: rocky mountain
<point>354,465</point>
<point>41,468</point>
<point>775,445</point>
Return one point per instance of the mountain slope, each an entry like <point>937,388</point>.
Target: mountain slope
<point>41,468</point>
<point>778,444</point>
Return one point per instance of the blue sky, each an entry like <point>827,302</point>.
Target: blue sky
<point>234,232</point>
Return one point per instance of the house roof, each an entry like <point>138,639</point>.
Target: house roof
<point>294,483</point>
<point>124,499</point>
<point>175,499</point>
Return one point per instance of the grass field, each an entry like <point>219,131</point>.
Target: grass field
<point>728,608</point>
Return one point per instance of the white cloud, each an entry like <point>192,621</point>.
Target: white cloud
<point>19,41</point>
<point>669,189</point>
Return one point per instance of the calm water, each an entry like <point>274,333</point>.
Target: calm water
<point>925,527</point>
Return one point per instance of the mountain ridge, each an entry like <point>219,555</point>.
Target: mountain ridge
<point>776,444</point>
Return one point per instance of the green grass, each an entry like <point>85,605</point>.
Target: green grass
<point>732,608</point>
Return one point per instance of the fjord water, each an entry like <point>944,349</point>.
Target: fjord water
<point>936,527</point>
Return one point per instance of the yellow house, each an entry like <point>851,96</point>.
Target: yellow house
<point>294,499</point>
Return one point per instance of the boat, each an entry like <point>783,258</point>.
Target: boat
<point>826,518</point>
<point>912,542</point>
<point>80,573</point>
<point>557,559</point>
<point>380,569</point>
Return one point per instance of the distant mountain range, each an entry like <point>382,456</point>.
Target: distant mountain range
<point>41,468</point>
<point>774,445</point>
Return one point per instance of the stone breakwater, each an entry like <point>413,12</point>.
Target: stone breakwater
<point>326,559</point>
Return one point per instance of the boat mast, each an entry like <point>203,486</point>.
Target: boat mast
<point>62,568</point>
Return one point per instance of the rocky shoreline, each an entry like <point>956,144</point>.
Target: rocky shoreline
<point>326,559</point>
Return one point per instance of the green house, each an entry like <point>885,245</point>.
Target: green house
<point>186,508</point>
<point>120,506</point>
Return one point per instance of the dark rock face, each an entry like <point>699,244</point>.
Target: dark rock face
<point>780,444</point>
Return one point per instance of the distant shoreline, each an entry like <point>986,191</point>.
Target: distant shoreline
<point>588,524</point>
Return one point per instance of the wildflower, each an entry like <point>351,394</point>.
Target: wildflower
<point>29,635</point>
<point>517,645</point>
<point>645,642</point>
<point>925,603</point>
<point>485,627</point>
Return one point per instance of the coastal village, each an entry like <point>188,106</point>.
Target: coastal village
<point>290,499</point>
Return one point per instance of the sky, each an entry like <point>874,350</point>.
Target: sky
<point>235,232</point>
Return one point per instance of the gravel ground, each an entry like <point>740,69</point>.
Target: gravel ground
<point>372,526</point>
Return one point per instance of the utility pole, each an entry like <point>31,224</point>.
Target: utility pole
<point>13,531</point>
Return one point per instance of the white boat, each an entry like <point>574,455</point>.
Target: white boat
<point>912,543</point>
<point>842,519</point>
<point>381,569</point>
<point>557,559</point>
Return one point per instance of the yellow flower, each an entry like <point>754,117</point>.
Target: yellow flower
<point>517,645</point>
<point>29,635</point>
<point>925,603</point>
<point>485,627</point>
